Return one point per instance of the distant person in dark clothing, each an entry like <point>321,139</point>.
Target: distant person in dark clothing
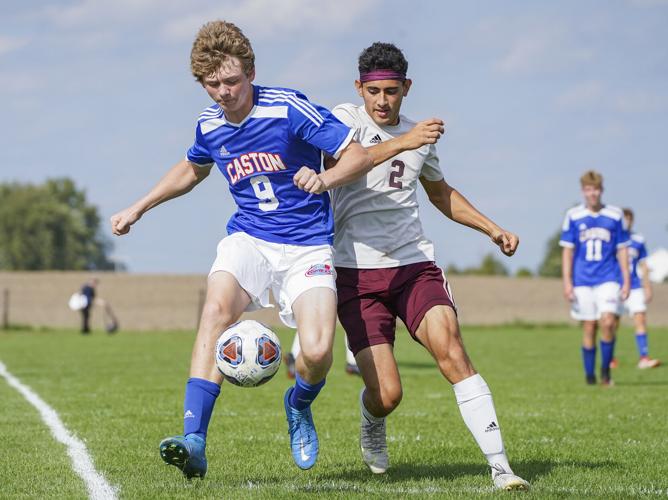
<point>88,291</point>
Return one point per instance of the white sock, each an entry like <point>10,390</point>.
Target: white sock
<point>350,358</point>
<point>477,408</point>
<point>296,348</point>
<point>365,412</point>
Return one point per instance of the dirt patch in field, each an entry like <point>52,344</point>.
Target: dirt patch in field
<point>161,302</point>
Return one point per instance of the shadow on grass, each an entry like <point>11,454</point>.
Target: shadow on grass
<point>401,472</point>
<point>643,382</point>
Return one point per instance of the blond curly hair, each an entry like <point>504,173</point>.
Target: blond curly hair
<point>216,42</point>
<point>591,178</point>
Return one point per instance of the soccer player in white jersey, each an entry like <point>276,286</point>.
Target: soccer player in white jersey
<point>385,264</point>
<point>267,142</point>
<point>641,292</point>
<point>594,263</point>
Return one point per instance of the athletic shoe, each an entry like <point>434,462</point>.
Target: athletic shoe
<point>646,362</point>
<point>605,379</point>
<point>373,443</point>
<point>352,369</point>
<point>508,481</point>
<point>290,364</point>
<point>303,437</point>
<point>591,380</point>
<point>614,363</point>
<point>186,453</point>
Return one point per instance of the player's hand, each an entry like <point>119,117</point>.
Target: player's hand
<point>425,132</point>
<point>506,241</point>
<point>309,180</point>
<point>121,221</point>
<point>648,294</point>
<point>624,293</point>
<point>569,294</point>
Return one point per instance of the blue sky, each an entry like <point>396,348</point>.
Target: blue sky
<point>533,94</point>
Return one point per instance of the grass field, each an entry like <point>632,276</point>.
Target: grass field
<point>122,394</point>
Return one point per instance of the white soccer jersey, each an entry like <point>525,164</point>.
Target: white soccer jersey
<point>376,218</point>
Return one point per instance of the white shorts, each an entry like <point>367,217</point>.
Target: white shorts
<point>635,303</point>
<point>592,301</point>
<point>288,270</point>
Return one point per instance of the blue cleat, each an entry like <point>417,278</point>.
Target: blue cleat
<point>303,437</point>
<point>186,453</point>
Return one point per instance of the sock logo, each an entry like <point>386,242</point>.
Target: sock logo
<point>492,427</point>
<point>189,414</point>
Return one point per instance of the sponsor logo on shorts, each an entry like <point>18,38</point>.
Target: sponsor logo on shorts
<point>319,270</point>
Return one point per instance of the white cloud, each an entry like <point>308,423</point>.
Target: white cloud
<point>267,18</point>
<point>581,95</point>
<point>594,95</point>
<point>543,48</point>
<point>10,44</point>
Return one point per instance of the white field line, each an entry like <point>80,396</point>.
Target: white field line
<point>97,485</point>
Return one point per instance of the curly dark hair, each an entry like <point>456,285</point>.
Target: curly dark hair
<point>382,56</point>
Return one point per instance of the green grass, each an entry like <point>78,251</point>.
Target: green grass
<point>122,394</point>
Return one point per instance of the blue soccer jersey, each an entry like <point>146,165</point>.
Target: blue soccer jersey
<point>595,238</point>
<point>637,252</point>
<point>260,156</point>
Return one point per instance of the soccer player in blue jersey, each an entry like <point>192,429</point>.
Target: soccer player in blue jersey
<point>594,263</point>
<point>641,293</point>
<point>267,143</point>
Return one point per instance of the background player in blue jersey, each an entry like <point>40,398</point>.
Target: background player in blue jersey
<point>641,292</point>
<point>267,142</point>
<point>594,263</point>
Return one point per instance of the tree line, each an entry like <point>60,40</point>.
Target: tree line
<point>52,226</point>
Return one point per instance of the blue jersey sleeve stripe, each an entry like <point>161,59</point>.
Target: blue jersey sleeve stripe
<point>295,104</point>
<point>303,101</point>
<point>302,105</point>
<point>566,244</point>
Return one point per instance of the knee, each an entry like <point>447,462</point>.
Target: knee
<point>213,313</point>
<point>608,322</point>
<point>317,356</point>
<point>386,398</point>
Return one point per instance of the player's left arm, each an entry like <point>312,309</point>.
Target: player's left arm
<point>457,208</point>
<point>646,283</point>
<point>623,260</point>
<point>353,162</point>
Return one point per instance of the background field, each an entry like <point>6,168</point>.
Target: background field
<point>122,394</point>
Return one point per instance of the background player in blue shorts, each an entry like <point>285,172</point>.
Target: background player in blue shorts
<point>267,143</point>
<point>641,292</point>
<point>594,264</point>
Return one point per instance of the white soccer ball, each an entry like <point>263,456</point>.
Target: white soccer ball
<point>248,353</point>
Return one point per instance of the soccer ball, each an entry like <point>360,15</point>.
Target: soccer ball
<point>248,353</point>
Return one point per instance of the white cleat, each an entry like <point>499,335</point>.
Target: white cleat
<point>373,443</point>
<point>645,363</point>
<point>508,481</point>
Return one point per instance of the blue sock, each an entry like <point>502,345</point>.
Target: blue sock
<point>198,405</point>
<point>607,352</point>
<point>589,360</point>
<point>641,343</point>
<point>304,393</point>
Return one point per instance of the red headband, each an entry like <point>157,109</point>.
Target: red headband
<point>382,74</point>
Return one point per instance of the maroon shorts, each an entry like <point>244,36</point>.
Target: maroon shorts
<point>369,300</point>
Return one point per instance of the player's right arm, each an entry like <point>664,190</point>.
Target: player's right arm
<point>179,180</point>
<point>567,242</point>
<point>425,132</point>
<point>567,272</point>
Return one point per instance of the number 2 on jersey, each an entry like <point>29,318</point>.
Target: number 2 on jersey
<point>264,192</point>
<point>395,175</point>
